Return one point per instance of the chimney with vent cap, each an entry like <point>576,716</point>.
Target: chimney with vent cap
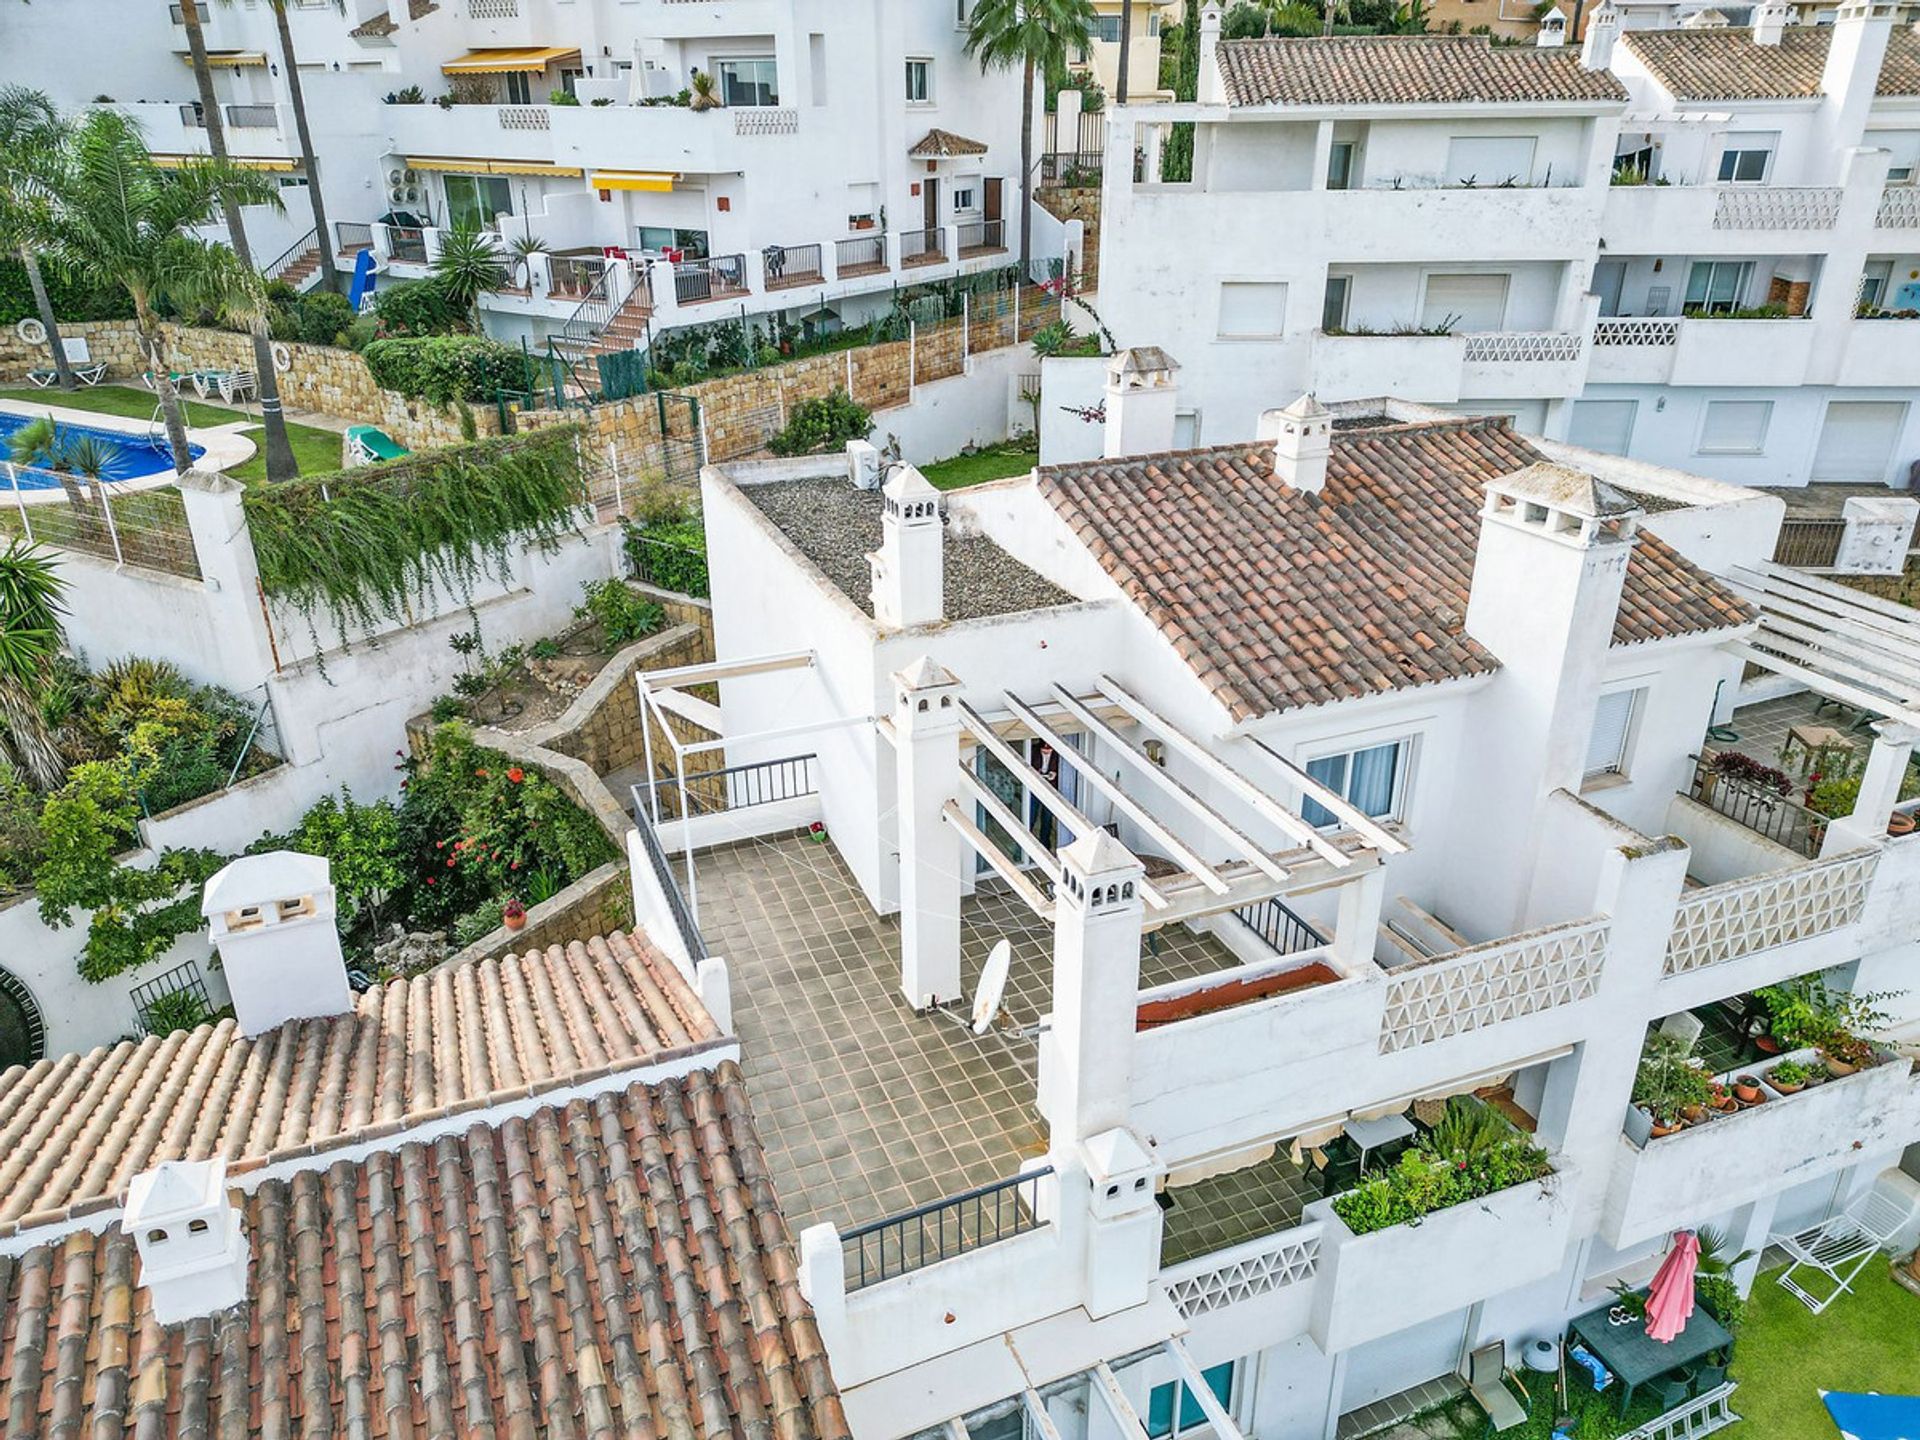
<point>271,917</point>
<point>1211,88</point>
<point>193,1252</point>
<point>1770,21</point>
<point>1553,30</point>
<point>1141,402</point>
<point>1302,440</point>
<point>1603,29</point>
<point>908,568</point>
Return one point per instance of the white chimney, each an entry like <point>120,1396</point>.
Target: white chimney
<point>1603,29</point>
<point>908,568</point>
<point>1553,30</point>
<point>1302,439</point>
<point>271,917</point>
<point>1770,21</point>
<point>1142,399</point>
<point>1096,984</point>
<point>1211,88</point>
<point>1861,31</point>
<point>193,1252</point>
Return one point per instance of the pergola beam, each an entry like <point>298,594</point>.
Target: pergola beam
<point>1196,1384</point>
<point>997,859</point>
<point>713,671</point>
<point>1819,656</point>
<point>1868,628</point>
<point>1820,634</point>
<point>1011,823</point>
<point>1824,683</point>
<point>1107,1386</point>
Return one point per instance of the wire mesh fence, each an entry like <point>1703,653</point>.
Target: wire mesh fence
<point>147,528</point>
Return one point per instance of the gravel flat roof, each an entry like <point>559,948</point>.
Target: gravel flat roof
<point>836,526</point>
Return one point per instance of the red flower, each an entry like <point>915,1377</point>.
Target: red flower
<point>516,775</point>
<point>483,774</point>
<point>439,844</point>
<point>514,866</point>
<point>431,880</point>
<point>450,862</point>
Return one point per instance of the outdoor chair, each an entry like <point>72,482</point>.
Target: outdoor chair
<point>42,378</point>
<point>1841,1247</point>
<point>1669,1390</point>
<point>236,385</point>
<point>1707,1377</point>
<point>1492,1386</point>
<point>91,375</point>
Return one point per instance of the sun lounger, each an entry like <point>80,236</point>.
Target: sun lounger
<point>369,445</point>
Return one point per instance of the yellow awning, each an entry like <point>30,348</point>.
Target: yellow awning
<point>244,162</point>
<point>655,180</point>
<point>458,165</point>
<point>501,62</point>
<point>230,59</point>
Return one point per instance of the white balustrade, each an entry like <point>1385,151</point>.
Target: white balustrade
<point>525,117</point>
<point>1521,346</point>
<point>1777,207</point>
<point>1740,917</point>
<point>1899,208</point>
<point>1226,1277</point>
<point>1636,331</point>
<point>1487,984</point>
<point>765,120</point>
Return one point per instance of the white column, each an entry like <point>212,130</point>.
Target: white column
<point>1096,987</point>
<point>926,727</point>
<point>1879,790</point>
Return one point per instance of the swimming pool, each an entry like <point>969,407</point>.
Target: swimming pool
<point>135,456</point>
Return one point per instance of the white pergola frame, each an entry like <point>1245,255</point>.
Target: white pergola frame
<point>661,696</point>
<point>1839,641</point>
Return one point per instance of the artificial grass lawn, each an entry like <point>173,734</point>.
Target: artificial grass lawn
<point>316,450</point>
<point>995,462</point>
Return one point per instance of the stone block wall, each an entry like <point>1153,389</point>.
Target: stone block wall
<point>598,903</point>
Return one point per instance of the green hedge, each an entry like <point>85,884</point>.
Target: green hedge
<point>440,368</point>
<point>71,301</point>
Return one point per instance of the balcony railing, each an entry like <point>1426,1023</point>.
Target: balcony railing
<point>971,1220</point>
<point>1761,808</point>
<point>1285,932</point>
<point>292,255</point>
<point>765,120</point>
<point>1636,331</point>
<point>351,237</point>
<point>1506,347</point>
<point>982,236</point>
<point>737,787</point>
<point>1741,917</point>
<point>1488,984</point>
<point>253,117</point>
<point>574,276</point>
<point>697,281</point>
<point>192,118</point>
<point>657,862</point>
<point>493,9</point>
<point>407,243</point>
<point>791,265</point>
<point>1777,207</point>
<point>861,255</point>
<point>1809,544</point>
<point>1899,208</point>
<point>1246,1272</point>
<point>923,247</point>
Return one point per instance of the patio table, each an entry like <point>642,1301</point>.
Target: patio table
<point>1635,1357</point>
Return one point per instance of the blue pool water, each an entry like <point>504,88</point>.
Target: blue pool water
<point>134,456</point>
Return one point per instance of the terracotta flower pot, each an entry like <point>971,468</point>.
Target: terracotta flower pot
<point>1766,1044</point>
<point>1836,1066</point>
<point>1784,1088</point>
<point>515,922</point>
<point>1901,822</point>
<point>1660,1130</point>
<point>1693,1114</point>
<point>1747,1090</point>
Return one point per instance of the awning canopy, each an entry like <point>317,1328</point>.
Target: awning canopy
<point>229,59</point>
<point>461,165</point>
<point>1834,639</point>
<point>659,181</point>
<point>244,162</point>
<point>502,62</point>
<point>939,144</point>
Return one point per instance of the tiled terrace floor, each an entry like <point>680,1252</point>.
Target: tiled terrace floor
<point>1232,1209</point>
<point>1763,728</point>
<point>866,1108</point>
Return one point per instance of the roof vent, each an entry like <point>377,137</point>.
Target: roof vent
<point>1302,440</point>
<point>271,918</point>
<point>193,1252</point>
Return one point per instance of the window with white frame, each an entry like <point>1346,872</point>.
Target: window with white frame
<point>962,13</point>
<point>965,197</point>
<point>1153,24</point>
<point>749,80</point>
<point>1372,780</point>
<point>1252,309</point>
<point>1612,734</point>
<point>1106,29</point>
<point>1174,1409</point>
<point>1747,157</point>
<point>919,81</point>
<point>1734,427</point>
<point>1716,287</point>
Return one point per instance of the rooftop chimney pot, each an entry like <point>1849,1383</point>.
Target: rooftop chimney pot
<point>1302,440</point>
<point>271,917</point>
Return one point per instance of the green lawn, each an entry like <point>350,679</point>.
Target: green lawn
<point>316,450</point>
<point>995,462</point>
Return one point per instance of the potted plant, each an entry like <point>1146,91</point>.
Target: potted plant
<point>1746,1089</point>
<point>1668,1084</point>
<point>514,914</point>
<point>1789,1077</point>
<point>1719,1100</point>
<point>1844,1054</point>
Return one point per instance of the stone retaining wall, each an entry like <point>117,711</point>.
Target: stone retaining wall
<point>598,903</point>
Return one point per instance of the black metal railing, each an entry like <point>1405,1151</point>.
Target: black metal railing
<point>983,235</point>
<point>790,265</point>
<point>714,278</point>
<point>286,259</point>
<point>1759,807</point>
<point>679,568</point>
<point>253,117</point>
<point>1810,544</point>
<point>193,117</point>
<point>1284,931</point>
<point>574,275</point>
<point>861,253</point>
<point>351,237</point>
<point>596,309</point>
<point>407,243</point>
<point>737,787</point>
<point>923,247</point>
<point>971,1220</point>
<point>155,1005</point>
<point>663,875</point>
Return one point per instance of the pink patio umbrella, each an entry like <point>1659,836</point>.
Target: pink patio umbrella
<point>1670,1299</point>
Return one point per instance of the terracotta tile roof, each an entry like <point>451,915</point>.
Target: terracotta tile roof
<point>420,9</point>
<point>937,144</point>
<point>1727,65</point>
<point>619,1267</point>
<point>1405,70</point>
<point>375,28</point>
<point>75,1129</point>
<point>1279,599</point>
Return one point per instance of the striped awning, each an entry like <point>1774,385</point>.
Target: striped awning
<point>502,62</point>
<point>229,59</point>
<point>461,165</point>
<point>244,162</point>
<point>658,181</point>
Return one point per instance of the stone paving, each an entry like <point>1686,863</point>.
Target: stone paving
<point>866,1108</point>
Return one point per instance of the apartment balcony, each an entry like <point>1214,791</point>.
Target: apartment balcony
<point>1899,210</point>
<point>1717,1163</point>
<point>1718,219</point>
<point>669,139</point>
<point>1699,350</point>
<point>254,132</point>
<point>1531,223</point>
<point>1881,352</point>
<point>1442,369</point>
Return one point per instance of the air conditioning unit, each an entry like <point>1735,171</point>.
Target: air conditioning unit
<point>396,195</point>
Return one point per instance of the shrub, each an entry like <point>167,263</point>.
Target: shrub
<point>622,616</point>
<point>416,307</point>
<point>72,299</point>
<point>821,425</point>
<point>324,317</point>
<point>671,556</point>
<point>1425,1181</point>
<point>176,1010</point>
<point>444,368</point>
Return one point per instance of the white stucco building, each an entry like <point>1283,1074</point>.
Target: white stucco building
<point>1592,241</point>
<point>1310,781</point>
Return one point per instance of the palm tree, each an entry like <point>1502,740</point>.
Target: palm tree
<point>31,592</point>
<point>30,131</point>
<point>117,219</point>
<point>467,267</point>
<point>1126,51</point>
<point>281,464</point>
<point>43,444</point>
<point>1035,35</point>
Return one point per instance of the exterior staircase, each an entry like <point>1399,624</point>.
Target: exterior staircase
<point>626,329</point>
<point>298,265</point>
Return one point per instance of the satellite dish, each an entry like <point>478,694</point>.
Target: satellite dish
<point>993,984</point>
